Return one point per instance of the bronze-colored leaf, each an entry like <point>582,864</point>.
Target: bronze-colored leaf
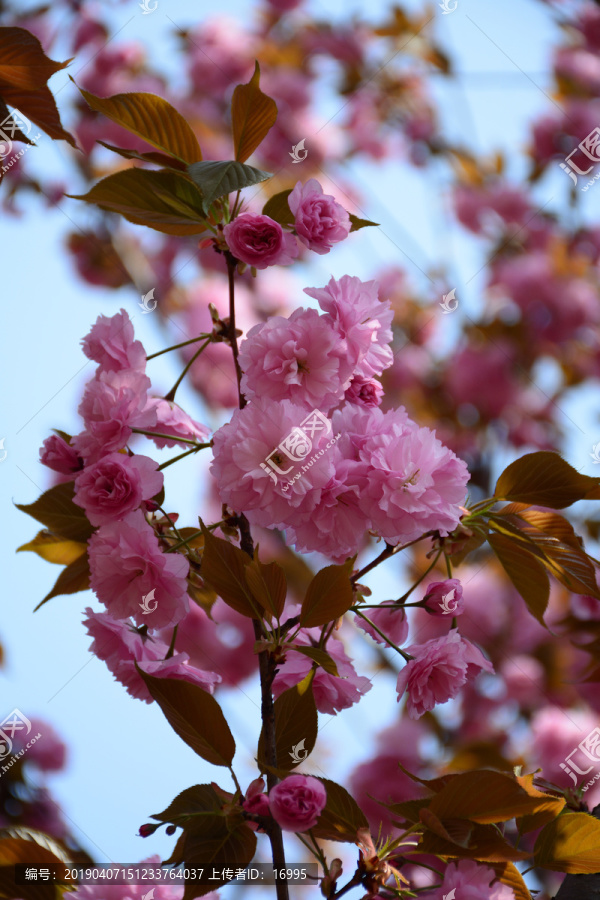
<point>329,595</point>
<point>295,728</point>
<point>75,578</point>
<point>544,478</point>
<point>55,509</point>
<point>253,114</point>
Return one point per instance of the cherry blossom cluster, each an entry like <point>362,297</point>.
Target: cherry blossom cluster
<point>128,561</point>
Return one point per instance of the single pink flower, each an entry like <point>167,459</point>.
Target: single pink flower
<point>111,344</point>
<point>297,802</point>
<point>444,598</point>
<point>471,881</point>
<point>390,619</point>
<point>113,404</point>
<point>362,321</point>
<point>48,753</point>
<point>320,220</point>
<point>61,457</point>
<point>438,671</point>
<point>296,358</point>
<point>116,485</point>
<point>171,419</point>
<point>259,241</point>
<point>364,392</point>
<point>331,693</point>
<point>127,565</point>
<point>121,646</point>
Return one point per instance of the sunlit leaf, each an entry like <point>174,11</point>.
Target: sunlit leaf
<point>54,548</point>
<point>253,114</point>
<point>570,843</point>
<point>545,479</point>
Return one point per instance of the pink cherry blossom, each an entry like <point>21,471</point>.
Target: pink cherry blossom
<point>256,802</point>
<point>244,478</point>
<point>259,241</point>
<point>120,646</point>
<point>112,404</point>
<point>320,220</point>
<point>107,891</point>
<point>331,694</point>
<point>364,391</point>
<point>362,321</point>
<point>111,344</point>
<point>584,607</point>
<point>297,802</point>
<point>61,457</point>
<point>48,753</point>
<point>115,486</point>
<point>296,358</point>
<point>471,881</point>
<point>445,598</point>
<point>412,484</point>
<point>127,564</point>
<point>438,671</point>
<point>390,619</point>
<point>171,419</point>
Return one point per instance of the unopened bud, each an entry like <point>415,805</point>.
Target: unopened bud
<point>147,829</point>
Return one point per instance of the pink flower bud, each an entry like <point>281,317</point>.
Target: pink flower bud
<point>297,802</point>
<point>445,598</point>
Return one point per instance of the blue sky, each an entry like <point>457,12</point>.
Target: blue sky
<point>125,762</point>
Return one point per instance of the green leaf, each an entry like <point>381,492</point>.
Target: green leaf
<point>75,578</point>
<point>295,724</point>
<point>55,509</point>
<point>252,116</point>
<point>223,568</point>
<point>151,118</point>
<point>268,586</point>
<point>321,657</point>
<point>357,223</point>
<point>342,817</point>
<point>216,178</point>
<point>544,478</point>
<point>194,808</point>
<point>329,595</point>
<point>54,548</point>
<point>196,717</point>
<point>165,201</point>
<point>278,208</point>
<point>571,843</point>
<point>525,571</point>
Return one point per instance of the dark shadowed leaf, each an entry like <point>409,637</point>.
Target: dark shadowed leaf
<point>525,571</point>
<point>321,657</point>
<point>329,595</point>
<point>357,223</point>
<point>159,159</point>
<point>224,570</point>
<point>165,201</point>
<point>55,509</point>
<point>486,844</point>
<point>277,208</point>
<point>232,846</point>
<point>486,797</point>
<point>31,853</point>
<point>267,585</point>
<point>545,479</point>
<point>216,178</point>
<point>151,118</point>
<point>252,115</point>
<point>295,728</point>
<point>196,717</point>
<point>195,809</point>
<point>342,817</point>
<point>76,577</point>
